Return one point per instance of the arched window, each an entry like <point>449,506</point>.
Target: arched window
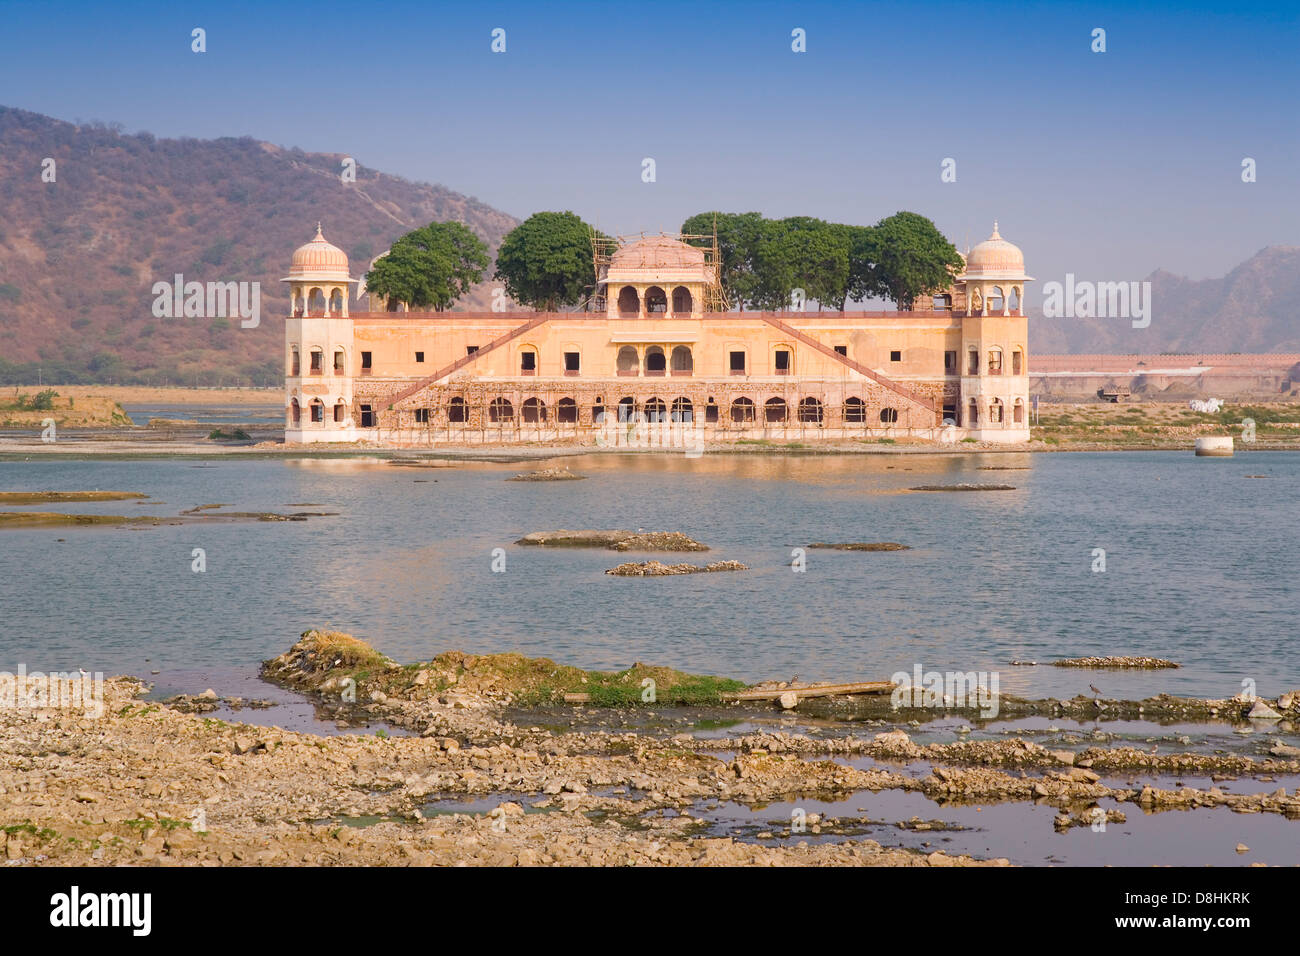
<point>628,361</point>
<point>889,416</point>
<point>336,302</point>
<point>534,410</point>
<point>656,302</point>
<point>501,410</point>
<point>295,363</point>
<point>810,410</point>
<point>855,410</point>
<point>316,302</point>
<point>566,411</point>
<point>997,301</point>
<point>742,410</point>
<point>1017,362</point>
<point>973,366</point>
<point>527,360</point>
<point>683,411</point>
<point>317,412</point>
<point>317,361</point>
<point>626,408</point>
<point>655,362</point>
<point>295,412</point>
<point>683,303</point>
<point>775,410</point>
<point>995,361</point>
<point>1018,412</point>
<point>457,410</point>
<point>1013,301</point>
<point>682,362</point>
<point>995,412</point>
<point>340,413</point>
<point>629,303</point>
<point>340,362</point>
<point>655,410</point>
<point>973,416</point>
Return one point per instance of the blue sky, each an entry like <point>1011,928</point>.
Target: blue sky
<point>1105,164</point>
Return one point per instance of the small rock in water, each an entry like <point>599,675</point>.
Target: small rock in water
<point>788,700</point>
<point>1261,711</point>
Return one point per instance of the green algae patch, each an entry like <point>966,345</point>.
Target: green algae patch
<point>44,497</point>
<point>324,661</point>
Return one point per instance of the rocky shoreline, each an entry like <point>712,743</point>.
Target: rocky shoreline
<point>469,772</point>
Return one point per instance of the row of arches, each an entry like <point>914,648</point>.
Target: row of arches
<point>317,412</point>
<point>996,364</point>
<point>655,361</point>
<point>997,300</point>
<point>319,301</point>
<point>316,361</point>
<point>631,304</point>
<point>775,410</point>
<point>996,412</point>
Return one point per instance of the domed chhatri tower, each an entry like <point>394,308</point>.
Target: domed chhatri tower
<point>995,370</point>
<point>656,277</point>
<point>319,345</point>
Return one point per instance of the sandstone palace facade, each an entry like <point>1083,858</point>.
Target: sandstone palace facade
<point>655,352</point>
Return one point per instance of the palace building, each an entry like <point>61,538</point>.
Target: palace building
<point>660,346</point>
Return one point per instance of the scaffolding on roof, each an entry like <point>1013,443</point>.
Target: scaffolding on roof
<point>603,248</point>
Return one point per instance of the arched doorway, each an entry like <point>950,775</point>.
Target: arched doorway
<point>810,411</point>
<point>683,411</point>
<point>566,411</point>
<point>457,410</point>
<point>534,410</point>
<point>629,363</point>
<point>655,410</point>
<point>656,302</point>
<point>655,361</point>
<point>683,304</point>
<point>775,410</point>
<point>629,304</point>
<point>855,410</point>
<point>742,410</point>
<point>501,410</point>
<point>682,361</point>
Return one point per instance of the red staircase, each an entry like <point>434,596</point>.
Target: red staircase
<point>876,377</point>
<point>460,363</point>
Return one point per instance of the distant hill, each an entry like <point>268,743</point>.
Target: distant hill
<point>1254,308</point>
<point>78,257</point>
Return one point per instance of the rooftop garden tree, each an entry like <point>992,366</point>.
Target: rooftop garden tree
<point>430,267</point>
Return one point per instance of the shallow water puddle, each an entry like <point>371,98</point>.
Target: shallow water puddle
<point>1023,832</point>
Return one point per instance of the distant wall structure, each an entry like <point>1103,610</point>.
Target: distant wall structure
<point>1252,376</point>
<point>655,353</point>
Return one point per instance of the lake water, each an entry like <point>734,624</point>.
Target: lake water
<point>1200,567</point>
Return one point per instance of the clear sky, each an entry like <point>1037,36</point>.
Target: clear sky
<point>1107,164</point>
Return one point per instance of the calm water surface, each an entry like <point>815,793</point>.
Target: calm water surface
<point>1200,567</point>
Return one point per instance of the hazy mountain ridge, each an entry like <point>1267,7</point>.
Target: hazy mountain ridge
<point>1254,308</point>
<point>79,256</point>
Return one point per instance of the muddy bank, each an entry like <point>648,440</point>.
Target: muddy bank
<point>201,514</point>
<point>42,497</point>
<point>614,540</point>
<point>492,775</point>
